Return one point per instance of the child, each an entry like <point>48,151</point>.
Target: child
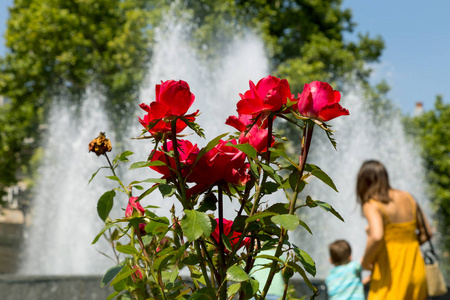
<point>344,280</point>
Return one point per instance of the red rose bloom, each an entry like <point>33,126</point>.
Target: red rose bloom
<point>187,153</point>
<point>256,136</point>
<point>134,208</point>
<point>173,99</point>
<point>320,101</point>
<point>269,94</point>
<point>232,236</point>
<point>222,163</point>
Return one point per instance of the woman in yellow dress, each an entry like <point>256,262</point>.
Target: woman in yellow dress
<point>392,251</point>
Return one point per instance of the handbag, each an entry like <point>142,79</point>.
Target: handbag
<point>435,280</point>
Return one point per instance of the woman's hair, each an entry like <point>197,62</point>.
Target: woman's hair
<point>372,182</point>
<point>340,252</point>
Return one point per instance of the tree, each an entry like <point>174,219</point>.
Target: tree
<point>432,130</point>
<point>60,47</point>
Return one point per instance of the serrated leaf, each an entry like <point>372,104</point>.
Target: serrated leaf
<point>248,149</point>
<point>289,222</point>
<point>306,260</point>
<point>325,178</point>
<point>270,187</point>
<point>237,274</point>
<point>105,204</point>
<point>143,164</point>
<point>195,224</point>
<point>110,274</point>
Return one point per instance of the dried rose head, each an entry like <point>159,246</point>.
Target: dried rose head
<point>100,145</point>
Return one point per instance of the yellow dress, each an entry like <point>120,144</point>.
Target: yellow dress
<point>399,270</point>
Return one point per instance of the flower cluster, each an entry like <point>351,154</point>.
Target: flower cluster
<point>216,250</point>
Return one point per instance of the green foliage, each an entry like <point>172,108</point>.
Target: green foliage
<point>432,132</point>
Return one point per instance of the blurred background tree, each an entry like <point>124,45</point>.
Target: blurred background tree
<point>431,129</point>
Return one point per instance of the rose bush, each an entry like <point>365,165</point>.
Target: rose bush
<point>219,254</point>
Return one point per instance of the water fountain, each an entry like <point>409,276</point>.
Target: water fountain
<point>65,219</point>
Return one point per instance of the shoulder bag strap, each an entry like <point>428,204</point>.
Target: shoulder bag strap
<point>433,257</point>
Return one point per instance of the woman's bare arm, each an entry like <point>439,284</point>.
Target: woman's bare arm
<point>375,234</point>
<point>421,225</point>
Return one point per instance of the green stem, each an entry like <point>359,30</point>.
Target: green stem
<point>202,264</point>
<point>114,173</point>
<point>222,270</point>
<point>306,142</point>
<point>173,136</point>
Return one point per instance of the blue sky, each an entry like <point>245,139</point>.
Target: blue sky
<point>416,60</point>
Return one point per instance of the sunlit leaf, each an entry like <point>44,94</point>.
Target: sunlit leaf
<point>237,274</point>
<point>195,224</point>
<point>143,164</point>
<point>289,222</point>
<point>248,149</point>
<point>306,260</point>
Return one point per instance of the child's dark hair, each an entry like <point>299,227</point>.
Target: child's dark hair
<point>340,252</point>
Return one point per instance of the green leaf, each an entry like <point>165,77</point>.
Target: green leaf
<point>166,190</point>
<point>259,216</point>
<point>143,164</point>
<point>147,192</point>
<point>325,178</point>
<point>115,178</point>
<point>208,203</point>
<point>126,249</point>
<point>330,209</point>
<point>237,274</point>
<point>304,225</point>
<point>105,204</point>
<point>289,222</point>
<point>195,224</point>
<point>209,146</point>
<point>272,173</point>
<point>102,232</point>
<point>153,180</point>
<point>110,274</point>
<point>93,175</point>
<point>204,294</point>
<point>271,257</point>
<point>250,287</point>
<point>300,270</point>
<point>270,187</point>
<point>122,275</point>
<point>306,260</point>
<point>233,289</point>
<point>248,149</point>
<point>254,168</point>
<point>122,156</point>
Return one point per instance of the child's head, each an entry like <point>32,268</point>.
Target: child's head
<point>340,252</point>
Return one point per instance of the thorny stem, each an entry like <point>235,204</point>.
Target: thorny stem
<point>306,142</point>
<point>222,270</point>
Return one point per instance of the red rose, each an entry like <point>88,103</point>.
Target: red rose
<point>222,163</point>
<point>320,101</point>
<point>173,99</point>
<point>134,208</point>
<point>232,236</point>
<point>256,136</point>
<point>187,153</point>
<point>269,94</point>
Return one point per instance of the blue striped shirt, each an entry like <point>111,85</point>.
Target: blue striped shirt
<point>344,282</point>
